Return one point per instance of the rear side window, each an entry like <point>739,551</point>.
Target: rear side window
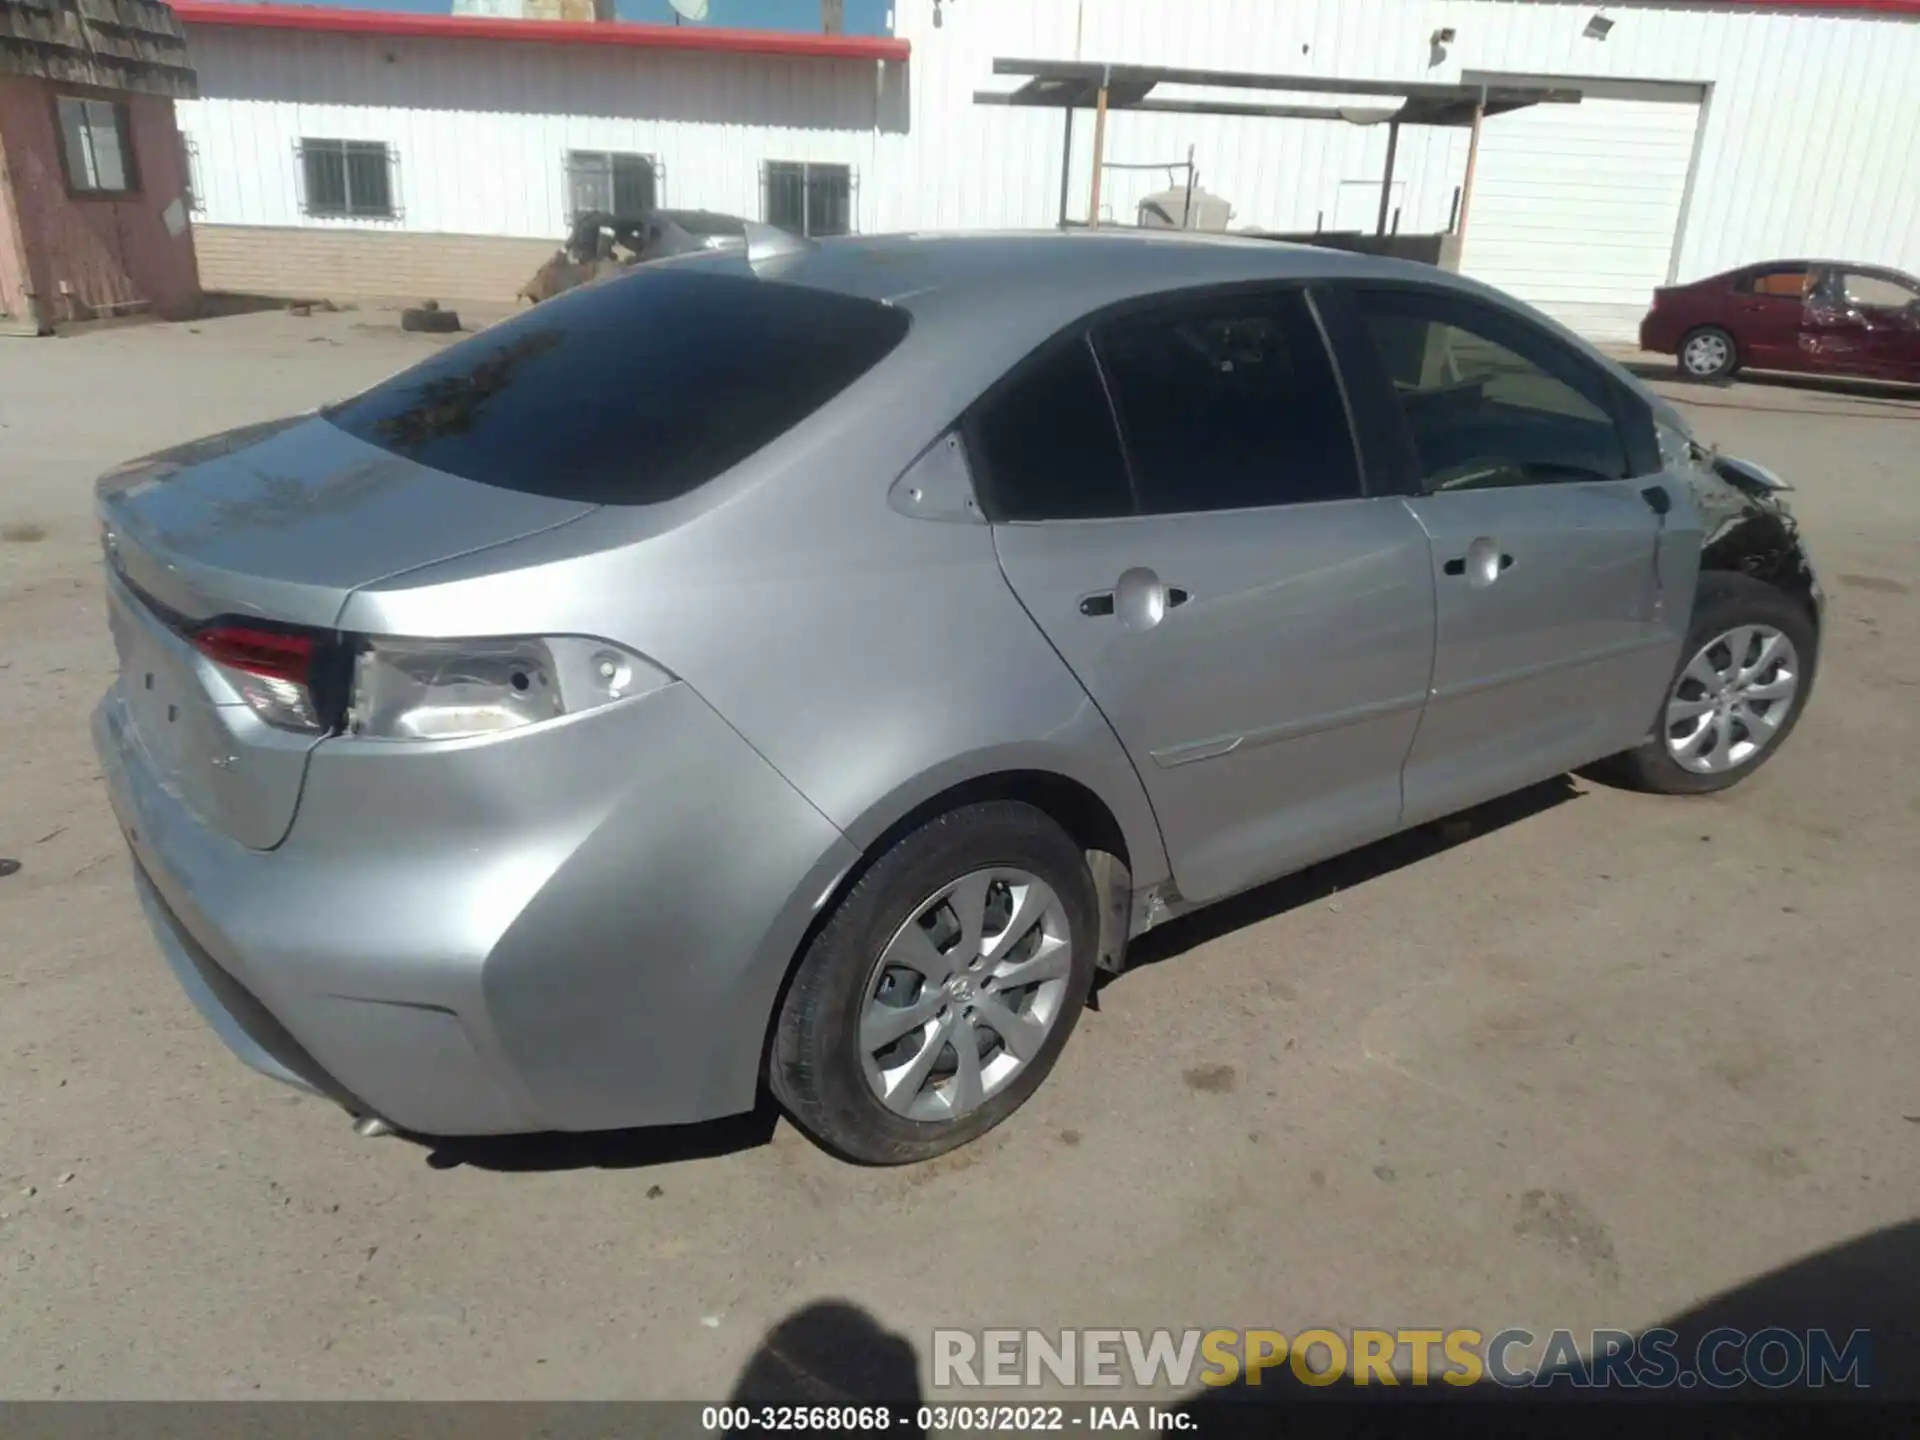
<point>1787,284</point>
<point>1228,403</point>
<point>1046,441</point>
<point>631,392</point>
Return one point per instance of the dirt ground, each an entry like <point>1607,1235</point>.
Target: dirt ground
<point>1582,1059</point>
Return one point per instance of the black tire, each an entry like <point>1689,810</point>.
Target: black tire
<point>815,1069</point>
<point>1723,602</point>
<point>1720,372</point>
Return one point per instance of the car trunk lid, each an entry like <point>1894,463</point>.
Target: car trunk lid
<point>270,529</point>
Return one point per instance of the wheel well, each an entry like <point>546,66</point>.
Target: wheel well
<point>1075,808</point>
<point>1765,547</point>
<point>1071,805</point>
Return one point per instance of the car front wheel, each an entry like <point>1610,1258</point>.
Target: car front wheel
<point>1708,354</point>
<point>942,989</point>
<point>1743,680</point>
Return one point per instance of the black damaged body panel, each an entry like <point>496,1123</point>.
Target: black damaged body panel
<point>1746,525</point>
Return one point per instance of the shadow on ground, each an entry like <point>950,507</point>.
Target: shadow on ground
<point>605,1149</point>
<point>1838,387</point>
<point>1343,872</point>
<point>834,1353</point>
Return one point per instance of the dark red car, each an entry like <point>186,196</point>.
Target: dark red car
<point>1826,317</point>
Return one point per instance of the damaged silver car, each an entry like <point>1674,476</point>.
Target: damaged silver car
<point>595,726</point>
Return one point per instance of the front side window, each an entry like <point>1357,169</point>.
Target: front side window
<point>611,183</point>
<point>807,199</point>
<point>1488,400</point>
<point>95,144</point>
<point>599,395</point>
<point>1228,403</point>
<point>1045,440</point>
<point>347,179</point>
<point>1876,292</point>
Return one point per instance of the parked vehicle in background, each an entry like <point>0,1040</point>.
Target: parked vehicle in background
<point>802,666</point>
<point>1817,317</point>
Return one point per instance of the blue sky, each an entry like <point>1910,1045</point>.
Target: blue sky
<point>864,17</point>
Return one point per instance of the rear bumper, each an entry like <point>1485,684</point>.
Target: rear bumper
<point>1657,334</point>
<point>578,928</point>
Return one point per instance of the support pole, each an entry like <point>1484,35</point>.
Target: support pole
<point>1066,162</point>
<point>1386,181</point>
<point>1473,158</point>
<point>1186,215</point>
<point>1099,153</point>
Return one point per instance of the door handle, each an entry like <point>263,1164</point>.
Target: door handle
<point>1483,563</point>
<point>1139,601</point>
<point>1458,565</point>
<point>1101,602</point>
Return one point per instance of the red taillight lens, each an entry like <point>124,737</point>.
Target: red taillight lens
<point>272,654</point>
<point>272,670</point>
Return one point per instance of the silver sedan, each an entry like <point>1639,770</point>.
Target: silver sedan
<point>802,667</point>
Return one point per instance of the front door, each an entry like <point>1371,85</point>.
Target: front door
<point>1835,338</point>
<point>1887,309</point>
<point>1257,630</point>
<point>1562,579</point>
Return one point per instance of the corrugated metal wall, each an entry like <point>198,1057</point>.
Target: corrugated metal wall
<point>481,129</point>
<point>1810,137</point>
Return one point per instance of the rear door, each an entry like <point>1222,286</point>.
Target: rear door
<point>1563,574</point>
<point>1256,628</point>
<point>1766,316</point>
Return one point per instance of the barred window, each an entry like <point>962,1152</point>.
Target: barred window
<point>94,143</point>
<point>807,199</point>
<point>196,198</point>
<point>350,179</point>
<point>609,182</point>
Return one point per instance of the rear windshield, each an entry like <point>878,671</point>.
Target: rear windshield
<point>630,392</point>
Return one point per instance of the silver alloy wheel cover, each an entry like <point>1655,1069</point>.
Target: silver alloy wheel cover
<point>1705,354</point>
<point>1730,701</point>
<point>971,986</point>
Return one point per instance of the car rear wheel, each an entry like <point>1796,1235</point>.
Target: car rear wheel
<point>1745,673</point>
<point>942,989</point>
<point>1708,354</point>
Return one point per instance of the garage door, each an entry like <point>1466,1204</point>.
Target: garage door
<point>1575,207</point>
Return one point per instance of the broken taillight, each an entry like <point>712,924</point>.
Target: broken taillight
<point>271,654</point>
<point>273,670</point>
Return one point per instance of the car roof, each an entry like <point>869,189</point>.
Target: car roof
<point>1001,267</point>
<point>1027,285</point>
<point>1862,267</point>
<point>980,300</point>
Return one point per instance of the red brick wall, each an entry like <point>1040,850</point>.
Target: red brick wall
<point>106,252</point>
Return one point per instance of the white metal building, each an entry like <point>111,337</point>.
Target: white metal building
<point>369,153</point>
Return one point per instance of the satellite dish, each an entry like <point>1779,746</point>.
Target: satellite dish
<point>695,10</point>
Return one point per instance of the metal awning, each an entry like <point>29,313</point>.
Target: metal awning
<point>1071,85</point>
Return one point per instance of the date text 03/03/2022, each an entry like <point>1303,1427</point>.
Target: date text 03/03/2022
<point>943,1418</point>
